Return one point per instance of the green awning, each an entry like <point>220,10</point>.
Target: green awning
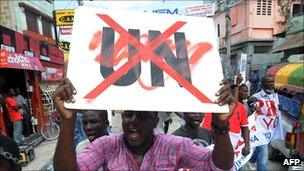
<point>297,77</point>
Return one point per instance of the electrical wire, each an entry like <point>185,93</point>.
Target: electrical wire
<point>68,4</point>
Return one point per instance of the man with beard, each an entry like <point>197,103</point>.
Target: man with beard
<point>138,148</point>
<point>268,105</point>
<point>192,130</point>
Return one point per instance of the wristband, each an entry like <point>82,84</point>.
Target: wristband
<point>220,130</point>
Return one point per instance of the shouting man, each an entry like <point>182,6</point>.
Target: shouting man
<point>138,148</point>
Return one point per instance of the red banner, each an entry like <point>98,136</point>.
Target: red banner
<point>52,74</point>
<point>19,61</point>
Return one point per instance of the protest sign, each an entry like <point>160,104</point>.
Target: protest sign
<point>144,61</point>
<point>263,129</point>
<point>264,126</point>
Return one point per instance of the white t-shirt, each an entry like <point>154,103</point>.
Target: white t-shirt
<point>268,103</point>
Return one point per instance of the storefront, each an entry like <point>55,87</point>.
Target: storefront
<point>16,69</point>
<point>28,61</point>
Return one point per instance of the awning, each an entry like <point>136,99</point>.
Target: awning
<point>297,77</point>
<point>290,74</point>
<point>19,61</point>
<point>272,70</point>
<point>291,42</point>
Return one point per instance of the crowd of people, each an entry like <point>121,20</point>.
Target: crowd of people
<point>142,147</point>
<point>15,108</point>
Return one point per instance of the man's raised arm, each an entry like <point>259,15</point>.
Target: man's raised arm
<point>222,155</point>
<point>65,155</point>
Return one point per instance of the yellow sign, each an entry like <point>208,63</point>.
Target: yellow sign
<point>64,17</point>
<point>64,45</point>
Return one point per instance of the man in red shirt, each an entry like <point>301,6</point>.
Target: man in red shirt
<point>14,114</point>
<point>238,125</point>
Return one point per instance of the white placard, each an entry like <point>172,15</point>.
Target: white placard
<point>184,49</point>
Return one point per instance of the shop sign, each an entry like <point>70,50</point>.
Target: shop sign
<point>64,17</point>
<point>202,10</point>
<point>29,53</point>
<point>166,11</point>
<point>45,58</point>
<point>65,31</point>
<point>64,45</point>
<point>13,41</point>
<point>52,74</point>
<point>18,61</point>
<point>8,48</point>
<point>3,58</point>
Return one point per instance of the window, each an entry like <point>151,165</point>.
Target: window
<point>218,30</point>
<point>31,21</point>
<point>262,49</point>
<point>264,7</point>
<point>46,27</point>
<point>296,9</point>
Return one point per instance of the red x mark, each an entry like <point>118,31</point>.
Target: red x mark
<point>145,53</point>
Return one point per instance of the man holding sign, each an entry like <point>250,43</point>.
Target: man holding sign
<point>138,148</point>
<point>143,63</point>
<point>268,107</point>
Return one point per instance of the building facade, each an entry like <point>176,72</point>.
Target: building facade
<point>27,32</point>
<point>254,25</point>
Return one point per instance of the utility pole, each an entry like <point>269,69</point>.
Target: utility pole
<point>228,36</point>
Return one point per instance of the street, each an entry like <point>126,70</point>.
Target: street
<point>186,56</point>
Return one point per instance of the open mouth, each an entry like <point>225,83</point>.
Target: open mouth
<point>90,134</point>
<point>196,122</point>
<point>134,134</point>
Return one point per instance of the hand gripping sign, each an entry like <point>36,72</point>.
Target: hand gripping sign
<point>144,61</point>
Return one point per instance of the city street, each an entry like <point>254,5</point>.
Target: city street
<point>195,56</point>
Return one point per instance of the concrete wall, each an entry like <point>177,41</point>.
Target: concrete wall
<point>43,6</point>
<point>13,15</point>
<point>219,18</point>
<point>7,17</point>
<point>247,25</point>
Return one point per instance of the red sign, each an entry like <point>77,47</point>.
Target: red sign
<point>52,74</point>
<point>16,42</point>
<point>19,61</point>
<point>66,31</point>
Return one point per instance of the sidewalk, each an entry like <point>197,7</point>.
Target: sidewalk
<point>43,155</point>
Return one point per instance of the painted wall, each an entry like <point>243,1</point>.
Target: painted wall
<point>7,17</point>
<point>247,25</point>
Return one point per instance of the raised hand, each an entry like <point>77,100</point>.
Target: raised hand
<point>225,97</point>
<point>239,79</point>
<point>64,92</point>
